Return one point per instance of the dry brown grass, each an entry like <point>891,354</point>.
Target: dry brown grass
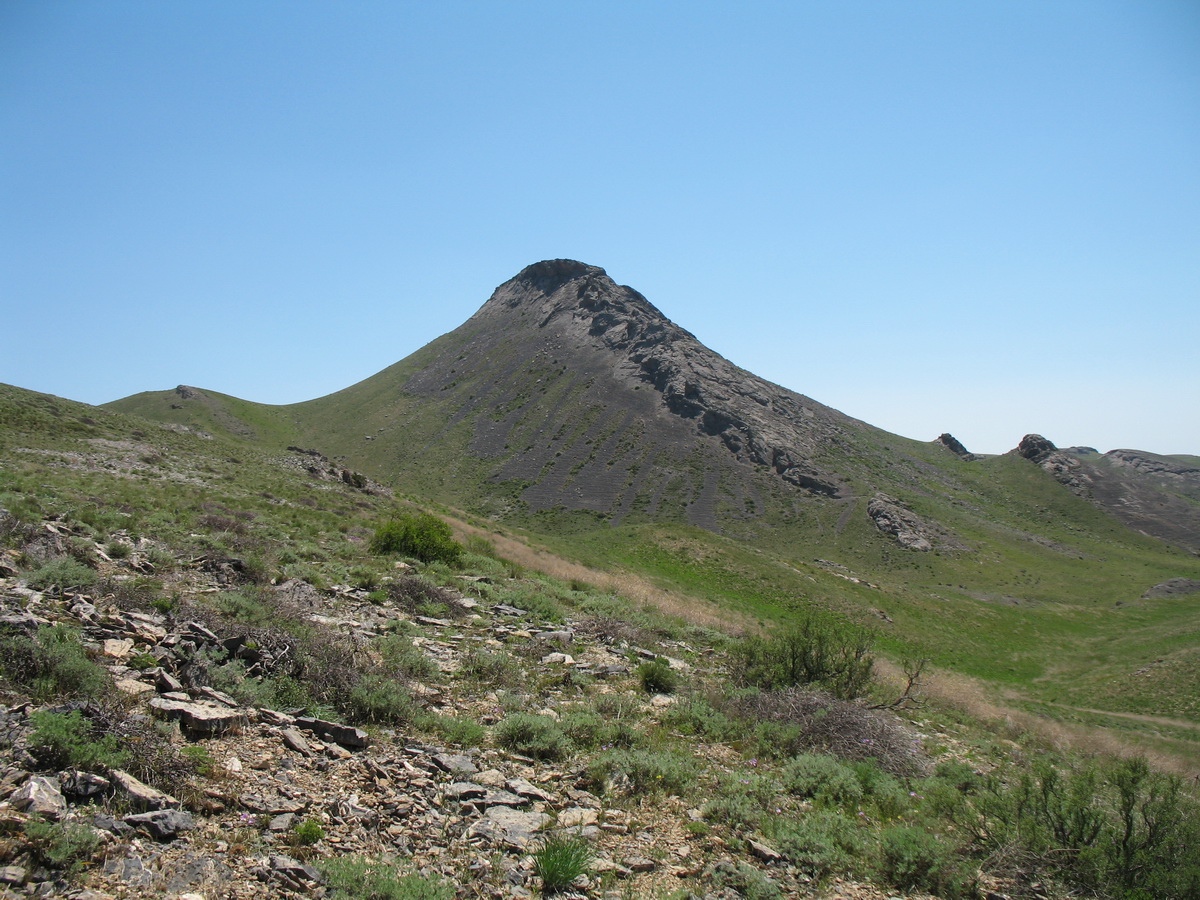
<point>980,702</point>
<point>628,585</point>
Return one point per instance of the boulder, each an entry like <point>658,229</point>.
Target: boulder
<point>162,824</point>
<point>142,796</point>
<point>40,797</point>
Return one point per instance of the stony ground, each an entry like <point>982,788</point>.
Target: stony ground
<point>471,815</point>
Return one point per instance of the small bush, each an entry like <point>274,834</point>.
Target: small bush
<point>644,771</point>
<point>823,779</point>
<point>416,595</point>
<point>380,700</point>
<point>492,667</point>
<point>657,677</point>
<point>823,843</point>
<point>143,660</point>
<point>64,574</point>
<point>403,658</point>
<point>369,878</point>
<point>815,650</point>
<point>588,729</point>
<point>420,536</point>
<point>802,719</point>
<point>532,735</point>
<point>52,664</point>
<point>914,859</point>
<point>66,847</point>
<point>455,730</point>
<point>744,880</point>
<point>308,833</point>
<point>560,859</point>
<point>68,740</point>
<point>743,800</point>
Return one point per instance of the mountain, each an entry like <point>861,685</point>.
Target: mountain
<point>567,393</point>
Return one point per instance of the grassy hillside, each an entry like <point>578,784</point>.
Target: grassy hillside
<point>1030,588</point>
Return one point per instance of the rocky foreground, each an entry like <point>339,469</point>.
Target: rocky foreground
<point>280,791</point>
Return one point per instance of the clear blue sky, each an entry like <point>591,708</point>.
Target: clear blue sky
<point>976,217</point>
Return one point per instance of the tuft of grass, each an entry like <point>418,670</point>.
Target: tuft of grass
<point>560,859</point>
<point>657,677</point>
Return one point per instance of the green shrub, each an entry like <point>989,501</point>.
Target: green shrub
<point>743,800</point>
<point>401,657</point>
<point>68,740</point>
<point>200,758</point>
<point>370,878</point>
<point>698,717</point>
<point>420,536</point>
<point>492,667</point>
<point>644,771</point>
<point>364,578</point>
<point>143,660</point>
<point>913,859</point>
<point>118,549</point>
<point>307,833</point>
<point>560,859</point>
<point>381,700</point>
<point>588,729</point>
<point>814,650</point>
<point>824,779</point>
<point>532,735</point>
<point>657,677</point>
<point>63,573</point>
<point>51,664</point>
<point>63,846</point>
<point>744,880</point>
<point>455,730</point>
<point>824,843</point>
<point>250,609</point>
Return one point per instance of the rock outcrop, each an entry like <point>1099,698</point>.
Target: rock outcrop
<point>892,517</point>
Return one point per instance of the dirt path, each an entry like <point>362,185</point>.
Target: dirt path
<point>1135,717</point>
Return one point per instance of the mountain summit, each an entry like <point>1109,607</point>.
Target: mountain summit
<point>596,398</point>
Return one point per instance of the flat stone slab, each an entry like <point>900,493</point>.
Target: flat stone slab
<point>201,718</point>
<point>512,827</point>
<point>455,763</point>
<point>162,824</point>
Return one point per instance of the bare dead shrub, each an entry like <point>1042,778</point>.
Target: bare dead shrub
<point>416,595</point>
<point>821,722</point>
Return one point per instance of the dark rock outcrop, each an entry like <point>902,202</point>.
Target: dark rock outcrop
<point>955,446</point>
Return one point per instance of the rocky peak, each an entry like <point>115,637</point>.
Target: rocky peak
<point>1035,448</point>
<point>610,337</point>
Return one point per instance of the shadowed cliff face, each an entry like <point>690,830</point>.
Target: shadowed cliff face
<point>561,346</point>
